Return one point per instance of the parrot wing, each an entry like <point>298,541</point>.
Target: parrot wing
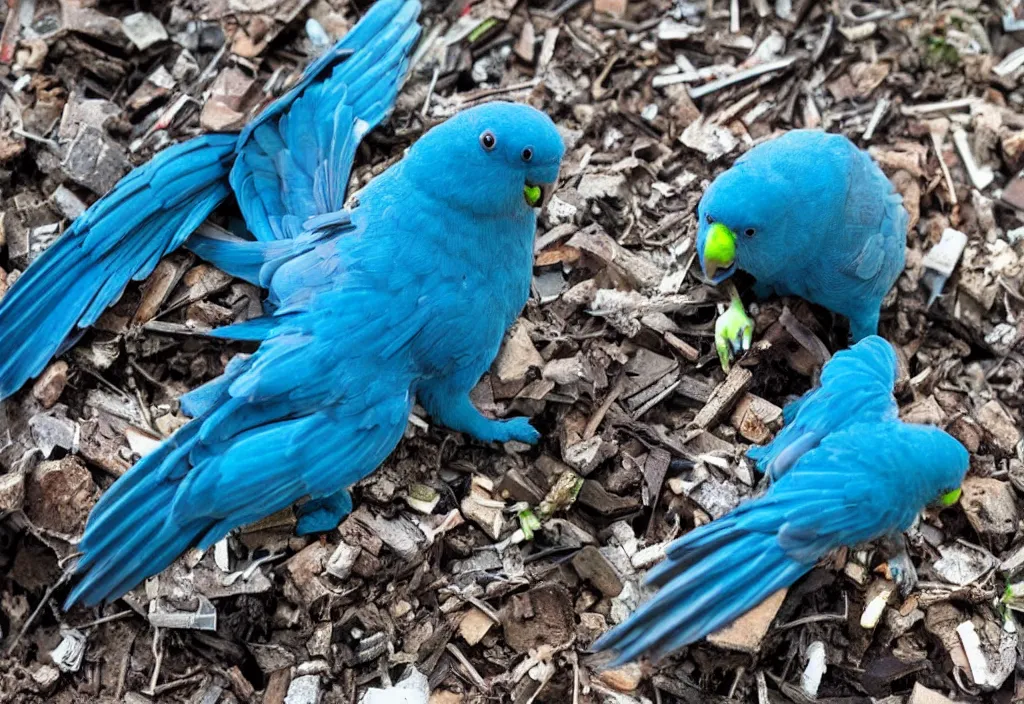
<point>875,221</point>
<point>296,157</point>
<point>316,408</point>
<point>857,485</point>
<point>856,387</point>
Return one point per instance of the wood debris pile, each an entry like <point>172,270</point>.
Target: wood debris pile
<point>471,573</point>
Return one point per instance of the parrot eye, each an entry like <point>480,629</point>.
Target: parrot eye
<point>487,140</point>
<point>709,219</point>
<point>750,232</point>
<point>527,154</point>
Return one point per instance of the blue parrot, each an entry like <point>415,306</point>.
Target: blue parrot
<point>807,214</point>
<point>855,387</point>
<point>864,480</point>
<point>404,296</point>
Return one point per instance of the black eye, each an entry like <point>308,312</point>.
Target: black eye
<point>527,154</point>
<point>750,232</point>
<point>709,218</point>
<point>487,140</point>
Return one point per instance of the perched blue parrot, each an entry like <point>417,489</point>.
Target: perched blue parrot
<point>863,481</point>
<point>855,387</point>
<point>807,214</point>
<point>403,296</point>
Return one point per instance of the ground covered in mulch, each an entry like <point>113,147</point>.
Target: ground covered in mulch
<point>471,573</point>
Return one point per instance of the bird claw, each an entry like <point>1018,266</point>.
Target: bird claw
<point>734,331</point>
<point>517,429</point>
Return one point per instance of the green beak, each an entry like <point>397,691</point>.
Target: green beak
<point>951,497</point>
<point>533,195</point>
<point>719,249</point>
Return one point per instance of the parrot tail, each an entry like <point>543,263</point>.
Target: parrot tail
<point>710,577</point>
<point>130,535</point>
<point>121,237</point>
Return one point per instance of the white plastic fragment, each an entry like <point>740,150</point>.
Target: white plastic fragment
<point>981,176</point>
<point>220,555</point>
<point>810,680</point>
<point>1013,61</point>
<point>141,442</point>
<point>204,618</point>
<point>70,651</point>
<point>942,259</point>
<point>975,655</point>
<point>414,689</point>
<point>318,36</point>
<point>304,690</point>
<point>740,76</point>
<point>874,609</point>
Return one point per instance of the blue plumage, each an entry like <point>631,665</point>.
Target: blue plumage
<point>856,387</point>
<point>154,209</point>
<point>810,215</point>
<point>868,477</point>
<point>404,296</point>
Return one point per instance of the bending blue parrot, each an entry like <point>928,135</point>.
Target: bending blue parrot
<point>807,214</point>
<point>864,481</point>
<point>856,387</point>
<point>404,296</point>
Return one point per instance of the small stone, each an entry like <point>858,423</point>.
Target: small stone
<point>517,356</point>
<point>586,456</point>
<point>319,644</point>
<point>615,8</point>
<point>746,633</point>
<point>594,567</point>
<point>50,384</point>
<point>991,507</point>
<point>474,626</point>
<point>923,695</point>
<point>541,616</point>
<point>143,30</point>
<point>1000,427</point>
<point>94,161</point>
<point>60,495</point>
<point>622,679</point>
<point>592,626</point>
<point>304,690</point>
<point>12,492</point>
<point>46,677</point>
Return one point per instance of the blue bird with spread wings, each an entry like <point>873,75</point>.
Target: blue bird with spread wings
<point>865,477</point>
<point>403,296</point>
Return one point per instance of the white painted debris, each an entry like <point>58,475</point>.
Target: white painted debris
<point>981,176</point>
<point>810,680</point>
<point>941,260</point>
<point>414,689</point>
<point>304,690</point>
<point>873,611</point>
<point>204,618</point>
<point>69,653</point>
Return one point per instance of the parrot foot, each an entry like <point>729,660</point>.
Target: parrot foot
<point>513,429</point>
<point>324,514</point>
<point>734,331</point>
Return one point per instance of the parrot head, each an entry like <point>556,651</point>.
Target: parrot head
<point>763,214</point>
<point>495,159</point>
<point>945,461</point>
